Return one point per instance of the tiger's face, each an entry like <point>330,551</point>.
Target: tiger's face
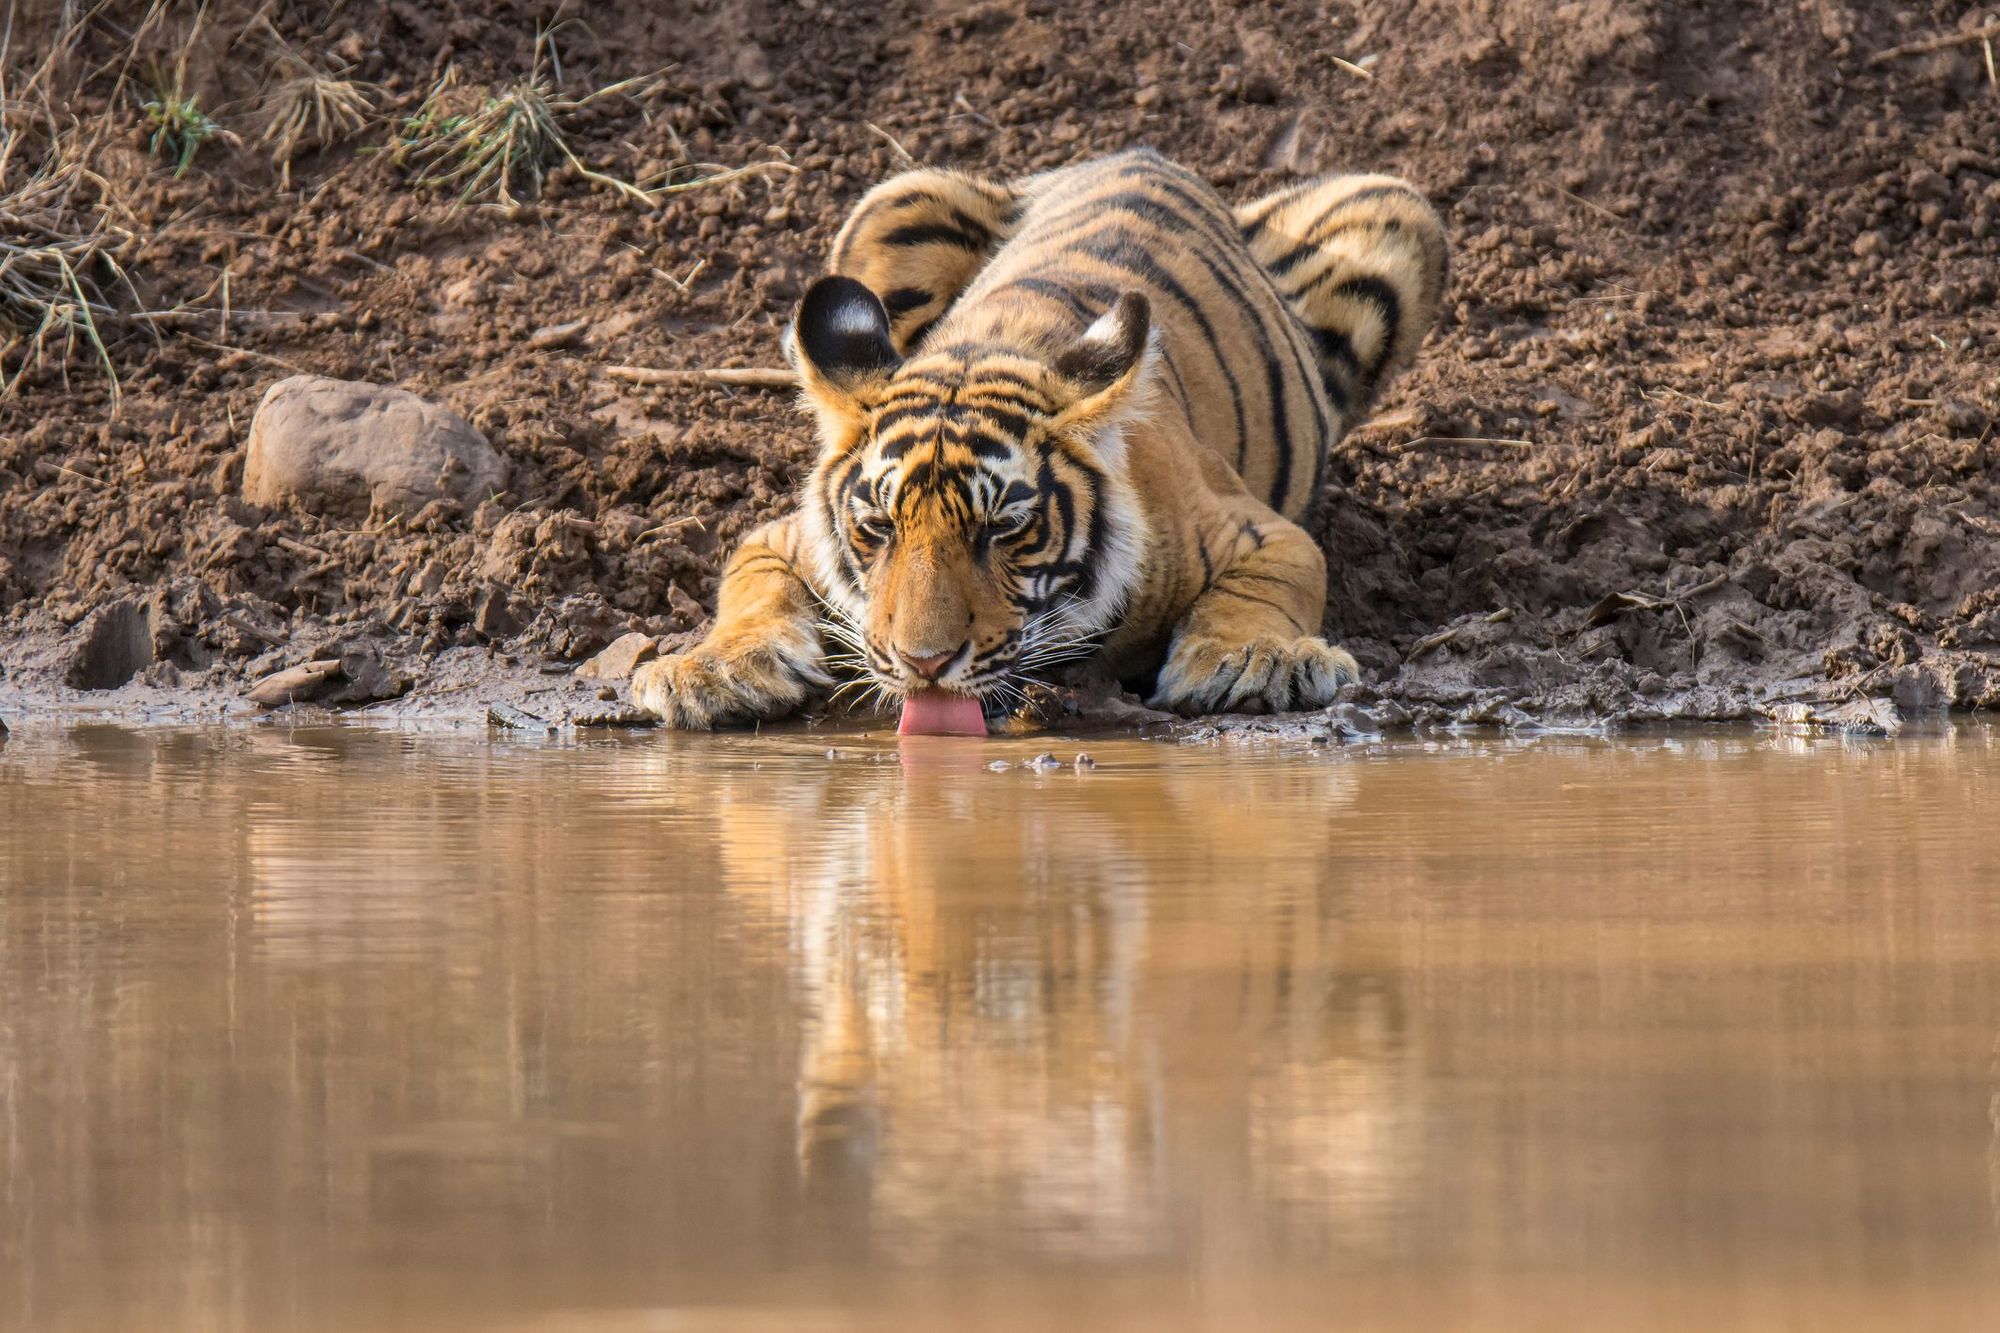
<point>969,516</point>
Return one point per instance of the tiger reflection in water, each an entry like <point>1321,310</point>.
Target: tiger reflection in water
<point>1018,1015</point>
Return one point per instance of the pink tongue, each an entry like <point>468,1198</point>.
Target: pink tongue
<point>939,713</point>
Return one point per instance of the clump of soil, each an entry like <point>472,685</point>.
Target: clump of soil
<point>1708,429</point>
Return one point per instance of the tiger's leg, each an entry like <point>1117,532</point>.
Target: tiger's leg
<point>918,239</point>
<point>762,659</point>
<point>1250,641</point>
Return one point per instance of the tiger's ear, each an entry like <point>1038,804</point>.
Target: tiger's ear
<point>841,346</point>
<point>1107,364</point>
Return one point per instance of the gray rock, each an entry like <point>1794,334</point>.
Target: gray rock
<point>345,449</point>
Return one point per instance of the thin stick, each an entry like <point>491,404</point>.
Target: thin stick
<point>752,377</point>
<point>81,476</point>
<point>1597,208</point>
<point>673,525</point>
<point>1468,439</point>
<point>894,143</point>
<point>1929,44</point>
<point>1359,71</point>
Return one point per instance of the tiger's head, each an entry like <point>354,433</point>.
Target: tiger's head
<point>970,515</point>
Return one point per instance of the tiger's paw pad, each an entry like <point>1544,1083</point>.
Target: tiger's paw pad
<point>1208,675</point>
<point>700,690</point>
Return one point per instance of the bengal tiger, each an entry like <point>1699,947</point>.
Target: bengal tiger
<point>1074,417</point>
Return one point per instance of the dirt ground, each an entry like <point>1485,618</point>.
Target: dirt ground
<point>1708,430</point>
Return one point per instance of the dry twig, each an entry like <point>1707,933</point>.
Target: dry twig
<point>751,377</point>
<point>1939,43</point>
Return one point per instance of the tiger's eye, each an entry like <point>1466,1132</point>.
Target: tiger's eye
<point>1006,525</point>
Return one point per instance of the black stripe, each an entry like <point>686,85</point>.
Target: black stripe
<point>839,493</point>
<point>1289,313</point>
<point>926,233</point>
<point>905,299</point>
<point>1152,210</point>
<point>1383,296</point>
<point>981,395</point>
<point>1093,550</point>
<point>1118,254</point>
<point>1054,291</point>
<point>1205,222</point>
<point>1060,501</point>
<point>1334,348</point>
<point>1290,619</point>
<point>744,564</point>
<point>990,449</point>
<point>1010,423</point>
<point>865,218</point>
<point>896,416</point>
<point>994,375</point>
<point>1318,233</point>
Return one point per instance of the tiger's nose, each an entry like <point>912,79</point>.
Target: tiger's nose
<point>929,667</point>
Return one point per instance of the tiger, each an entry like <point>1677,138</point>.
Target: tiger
<point>1072,422</point>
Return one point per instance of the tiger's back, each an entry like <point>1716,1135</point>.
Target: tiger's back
<point>1279,321</point>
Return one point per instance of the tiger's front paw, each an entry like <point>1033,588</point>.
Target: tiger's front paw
<point>1263,675</point>
<point>707,688</point>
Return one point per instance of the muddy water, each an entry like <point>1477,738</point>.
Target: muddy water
<point>340,1029</point>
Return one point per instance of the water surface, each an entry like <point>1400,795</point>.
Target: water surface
<point>349,1029</point>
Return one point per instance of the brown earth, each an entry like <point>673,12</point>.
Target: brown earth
<point>1707,431</point>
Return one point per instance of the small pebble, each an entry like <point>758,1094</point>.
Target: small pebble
<point>1045,761</point>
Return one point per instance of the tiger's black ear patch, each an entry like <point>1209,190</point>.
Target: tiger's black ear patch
<point>843,331</point>
<point>1110,348</point>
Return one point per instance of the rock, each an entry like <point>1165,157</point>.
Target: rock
<point>112,643</point>
<point>493,613</point>
<point>612,714</point>
<point>1856,717</point>
<point>294,683</point>
<point>366,678</point>
<point>345,449</point>
<point>516,719</point>
<point>617,661</point>
<point>557,335</point>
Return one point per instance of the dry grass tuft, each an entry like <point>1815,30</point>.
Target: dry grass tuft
<point>309,108</point>
<point>61,253</point>
<point>498,147</point>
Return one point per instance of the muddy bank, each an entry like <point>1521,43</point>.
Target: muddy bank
<point>1707,433</point>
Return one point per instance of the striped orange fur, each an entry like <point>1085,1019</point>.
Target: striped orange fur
<point>1071,419</point>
